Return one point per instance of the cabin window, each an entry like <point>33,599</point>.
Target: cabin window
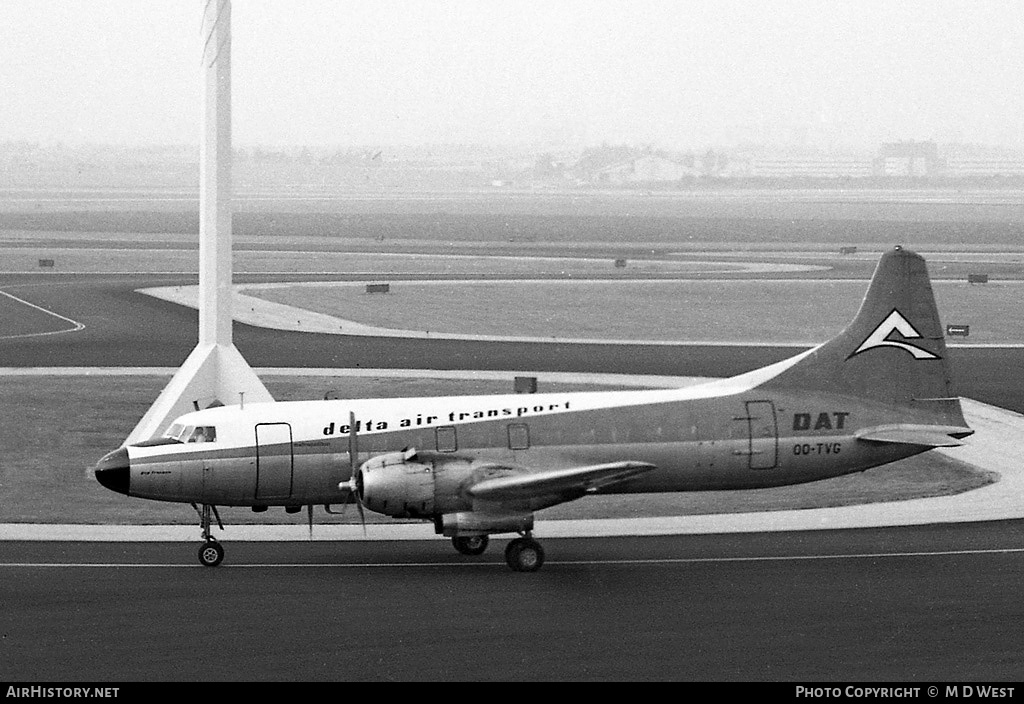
<point>446,439</point>
<point>518,436</point>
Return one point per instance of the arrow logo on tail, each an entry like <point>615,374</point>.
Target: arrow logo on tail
<point>895,322</point>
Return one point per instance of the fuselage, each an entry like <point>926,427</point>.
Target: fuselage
<point>699,438</point>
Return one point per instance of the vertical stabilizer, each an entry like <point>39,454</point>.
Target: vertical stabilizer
<point>893,352</point>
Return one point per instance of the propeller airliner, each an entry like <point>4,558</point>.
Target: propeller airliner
<point>477,466</point>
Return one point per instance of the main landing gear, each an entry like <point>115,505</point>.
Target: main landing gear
<point>522,554</point>
<point>211,553</point>
<point>470,544</point>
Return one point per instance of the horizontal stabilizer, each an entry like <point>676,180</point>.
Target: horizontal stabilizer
<point>553,481</point>
<point>910,434</point>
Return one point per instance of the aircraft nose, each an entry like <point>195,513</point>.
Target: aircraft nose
<point>114,470</point>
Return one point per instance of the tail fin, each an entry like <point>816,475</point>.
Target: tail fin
<point>893,352</point>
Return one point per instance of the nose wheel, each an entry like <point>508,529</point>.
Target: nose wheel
<point>211,553</point>
<point>524,555</point>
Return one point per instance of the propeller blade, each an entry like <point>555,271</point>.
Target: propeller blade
<point>362,515</point>
<point>309,515</point>
<point>348,500</point>
<point>353,444</point>
<point>353,456</point>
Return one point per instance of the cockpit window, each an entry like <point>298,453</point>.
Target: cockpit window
<point>206,433</point>
<point>191,433</point>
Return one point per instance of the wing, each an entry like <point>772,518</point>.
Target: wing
<point>580,480</point>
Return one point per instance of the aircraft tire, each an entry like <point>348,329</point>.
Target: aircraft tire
<point>524,555</point>
<point>470,544</point>
<point>211,553</point>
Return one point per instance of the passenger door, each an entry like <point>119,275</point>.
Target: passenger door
<point>274,461</point>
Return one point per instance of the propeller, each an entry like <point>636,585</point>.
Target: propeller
<point>309,516</point>
<point>353,458</point>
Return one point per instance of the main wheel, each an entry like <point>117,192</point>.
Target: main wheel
<point>524,555</point>
<point>211,553</point>
<point>470,544</point>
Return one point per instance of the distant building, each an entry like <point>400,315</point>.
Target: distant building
<point>818,166</point>
<point>647,168</point>
<point>908,159</point>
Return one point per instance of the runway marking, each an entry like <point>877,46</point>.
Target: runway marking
<point>77,325</point>
<point>631,562</point>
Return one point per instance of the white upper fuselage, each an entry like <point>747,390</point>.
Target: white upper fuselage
<point>328,419</point>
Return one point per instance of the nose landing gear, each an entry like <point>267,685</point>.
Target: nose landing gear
<point>211,553</point>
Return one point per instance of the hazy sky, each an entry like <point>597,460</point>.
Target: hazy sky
<point>679,73</point>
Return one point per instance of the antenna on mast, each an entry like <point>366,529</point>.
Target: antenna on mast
<point>215,368</point>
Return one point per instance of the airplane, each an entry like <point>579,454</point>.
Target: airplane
<point>477,466</point>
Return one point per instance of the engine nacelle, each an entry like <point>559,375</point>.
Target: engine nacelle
<point>396,485</point>
<point>477,523</point>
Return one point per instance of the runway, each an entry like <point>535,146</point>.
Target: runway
<point>822,606</point>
